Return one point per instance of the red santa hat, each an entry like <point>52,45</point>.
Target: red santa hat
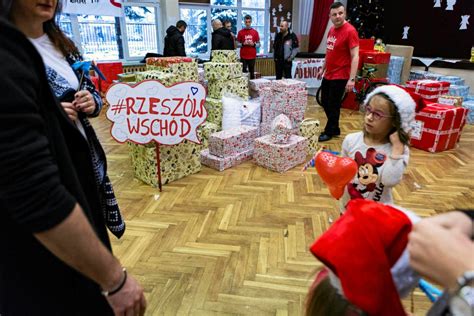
<point>361,249</point>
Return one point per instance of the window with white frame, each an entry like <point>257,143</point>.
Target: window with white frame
<point>111,38</point>
<point>198,35</point>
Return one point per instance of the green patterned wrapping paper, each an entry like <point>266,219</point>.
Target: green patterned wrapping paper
<point>184,71</point>
<point>166,79</point>
<point>238,86</point>
<point>224,56</point>
<point>214,111</point>
<point>127,77</point>
<point>222,71</point>
<point>310,128</point>
<point>177,161</point>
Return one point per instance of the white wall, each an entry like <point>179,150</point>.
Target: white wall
<point>169,13</point>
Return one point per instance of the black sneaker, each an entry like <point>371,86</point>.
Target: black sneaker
<point>324,137</point>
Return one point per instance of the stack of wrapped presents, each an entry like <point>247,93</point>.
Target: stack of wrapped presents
<point>438,127</point>
<point>439,124</point>
<point>428,89</point>
<point>224,74</point>
<point>230,147</point>
<point>280,150</point>
<point>456,85</point>
<point>176,161</point>
<point>287,97</point>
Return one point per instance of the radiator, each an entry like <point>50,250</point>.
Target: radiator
<point>133,68</point>
<point>265,66</point>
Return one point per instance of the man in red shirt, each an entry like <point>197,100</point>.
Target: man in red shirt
<point>248,41</point>
<point>339,70</point>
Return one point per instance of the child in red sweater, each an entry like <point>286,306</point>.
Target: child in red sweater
<point>248,40</point>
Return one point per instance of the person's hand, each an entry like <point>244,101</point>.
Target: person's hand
<point>70,110</point>
<point>84,102</point>
<point>350,85</point>
<point>320,72</point>
<point>397,145</point>
<point>453,220</point>
<point>130,300</point>
<point>440,254</point>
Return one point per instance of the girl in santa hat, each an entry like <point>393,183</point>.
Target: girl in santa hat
<point>381,148</point>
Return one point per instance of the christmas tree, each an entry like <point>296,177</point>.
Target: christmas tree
<point>367,17</point>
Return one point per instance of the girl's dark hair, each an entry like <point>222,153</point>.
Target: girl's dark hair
<point>323,299</point>
<point>396,119</point>
<point>5,6</point>
<point>59,39</point>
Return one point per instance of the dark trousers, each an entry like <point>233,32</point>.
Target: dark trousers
<point>331,95</point>
<point>283,67</point>
<point>248,65</point>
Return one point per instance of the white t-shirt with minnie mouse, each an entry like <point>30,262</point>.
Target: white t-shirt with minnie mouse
<point>378,172</point>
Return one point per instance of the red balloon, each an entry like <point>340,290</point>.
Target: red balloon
<point>335,171</point>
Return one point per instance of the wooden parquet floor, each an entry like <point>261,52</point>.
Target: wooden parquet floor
<point>236,242</point>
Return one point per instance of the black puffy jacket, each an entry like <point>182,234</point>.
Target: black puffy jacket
<point>174,42</point>
<point>222,39</point>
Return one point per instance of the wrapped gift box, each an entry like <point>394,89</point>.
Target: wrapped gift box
<point>375,57</point>
<point>266,129</point>
<point>251,113</point>
<point>432,76</point>
<point>428,89</point>
<point>177,161</point>
<point>372,57</point>
<point>184,70</point>
<point>310,128</point>
<point>259,84</point>
<point>206,130</point>
<point>395,68</point>
<point>127,77</point>
<point>417,75</point>
<point>438,127</point>
<point>288,85</point>
<point>469,105</point>
<point>268,115</point>
<point>288,102</point>
<point>237,86</point>
<point>453,80</point>
<point>280,157</point>
<point>224,56</point>
<point>201,75</point>
<point>232,141</point>
<point>166,62</point>
<point>222,163</point>
<point>222,71</point>
<point>450,100</point>
<point>461,91</point>
<point>166,79</point>
<point>214,111</point>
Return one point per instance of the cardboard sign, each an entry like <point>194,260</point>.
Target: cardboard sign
<point>307,71</point>
<point>93,7</point>
<point>150,111</point>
